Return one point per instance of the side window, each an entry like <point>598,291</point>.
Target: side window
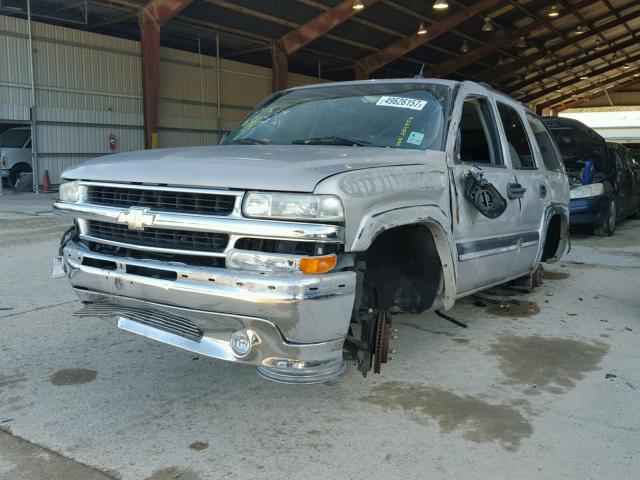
<point>28,145</point>
<point>518,143</point>
<point>478,137</point>
<point>545,143</point>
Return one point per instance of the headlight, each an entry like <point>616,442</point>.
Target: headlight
<point>69,192</point>
<point>276,262</point>
<point>293,206</point>
<point>592,190</point>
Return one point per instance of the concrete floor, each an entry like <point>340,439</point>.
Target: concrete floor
<point>546,390</point>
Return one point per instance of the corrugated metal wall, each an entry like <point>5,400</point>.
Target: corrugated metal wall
<point>88,86</point>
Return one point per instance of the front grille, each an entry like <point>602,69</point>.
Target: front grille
<point>160,320</point>
<point>121,252</point>
<point>170,201</point>
<point>159,237</point>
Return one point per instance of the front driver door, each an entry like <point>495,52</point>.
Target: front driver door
<point>486,247</point>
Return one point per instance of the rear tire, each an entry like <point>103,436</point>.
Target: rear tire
<point>16,171</point>
<point>608,226</point>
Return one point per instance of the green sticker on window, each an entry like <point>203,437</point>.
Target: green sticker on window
<point>415,138</point>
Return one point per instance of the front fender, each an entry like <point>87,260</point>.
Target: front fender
<point>429,216</point>
<point>379,199</point>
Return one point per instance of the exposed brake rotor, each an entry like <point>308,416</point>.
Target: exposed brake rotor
<point>381,343</point>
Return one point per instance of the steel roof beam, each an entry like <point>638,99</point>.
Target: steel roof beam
<point>567,83</point>
<point>563,68</point>
<point>499,42</point>
<point>389,31</point>
<point>319,26</point>
<point>607,81</point>
<point>588,98</point>
<point>430,20</point>
<point>477,53</point>
<point>407,44</point>
<point>530,59</point>
<point>304,35</point>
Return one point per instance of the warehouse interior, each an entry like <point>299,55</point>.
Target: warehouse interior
<point>387,279</point>
<point>94,77</point>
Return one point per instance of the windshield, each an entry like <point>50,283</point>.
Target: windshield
<point>14,138</point>
<point>403,115</point>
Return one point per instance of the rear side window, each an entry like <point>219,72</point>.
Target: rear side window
<point>518,142</point>
<point>478,138</point>
<point>545,143</point>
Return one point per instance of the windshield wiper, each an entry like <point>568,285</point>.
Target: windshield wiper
<point>247,141</point>
<point>331,141</point>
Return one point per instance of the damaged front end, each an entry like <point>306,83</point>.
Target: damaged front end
<point>220,285</point>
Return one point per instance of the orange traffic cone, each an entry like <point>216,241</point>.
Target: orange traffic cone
<point>46,186</point>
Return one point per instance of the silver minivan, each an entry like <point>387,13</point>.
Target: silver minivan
<point>15,153</point>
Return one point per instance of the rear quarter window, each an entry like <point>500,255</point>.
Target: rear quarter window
<point>550,156</point>
<point>517,138</point>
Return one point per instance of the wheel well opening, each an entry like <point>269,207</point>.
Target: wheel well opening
<point>21,165</point>
<point>552,238</point>
<point>404,267</point>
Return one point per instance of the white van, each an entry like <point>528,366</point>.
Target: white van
<point>15,153</point>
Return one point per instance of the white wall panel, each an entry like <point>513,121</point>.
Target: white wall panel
<point>178,138</point>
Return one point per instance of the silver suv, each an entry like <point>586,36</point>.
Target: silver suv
<point>325,211</point>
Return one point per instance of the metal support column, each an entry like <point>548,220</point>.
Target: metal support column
<point>150,50</point>
<point>32,110</point>
<point>279,67</point>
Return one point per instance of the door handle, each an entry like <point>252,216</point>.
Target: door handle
<point>543,191</point>
<point>515,190</point>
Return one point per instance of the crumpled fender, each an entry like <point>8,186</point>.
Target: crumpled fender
<point>430,216</point>
<point>379,199</point>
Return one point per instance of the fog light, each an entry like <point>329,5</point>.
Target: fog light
<point>240,343</point>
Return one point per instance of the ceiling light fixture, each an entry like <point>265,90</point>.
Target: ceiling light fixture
<point>422,30</point>
<point>584,77</point>
<point>555,11</point>
<point>464,48</point>
<point>580,29</point>
<point>440,5</point>
<point>626,66</point>
<point>358,5</point>
<point>487,26</point>
<point>521,43</point>
<point>500,61</point>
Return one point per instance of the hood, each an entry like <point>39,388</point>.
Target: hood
<point>294,168</point>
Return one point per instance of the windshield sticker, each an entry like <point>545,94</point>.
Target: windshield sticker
<point>403,132</point>
<point>415,138</point>
<point>402,102</point>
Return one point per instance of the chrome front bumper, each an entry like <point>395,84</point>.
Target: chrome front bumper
<point>299,321</point>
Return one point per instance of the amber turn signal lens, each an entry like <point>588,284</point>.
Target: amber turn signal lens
<point>318,264</point>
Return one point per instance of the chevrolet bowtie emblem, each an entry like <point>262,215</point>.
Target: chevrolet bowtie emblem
<point>137,218</point>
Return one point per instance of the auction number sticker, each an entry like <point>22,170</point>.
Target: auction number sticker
<point>402,102</point>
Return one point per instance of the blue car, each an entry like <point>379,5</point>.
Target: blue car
<point>604,177</point>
